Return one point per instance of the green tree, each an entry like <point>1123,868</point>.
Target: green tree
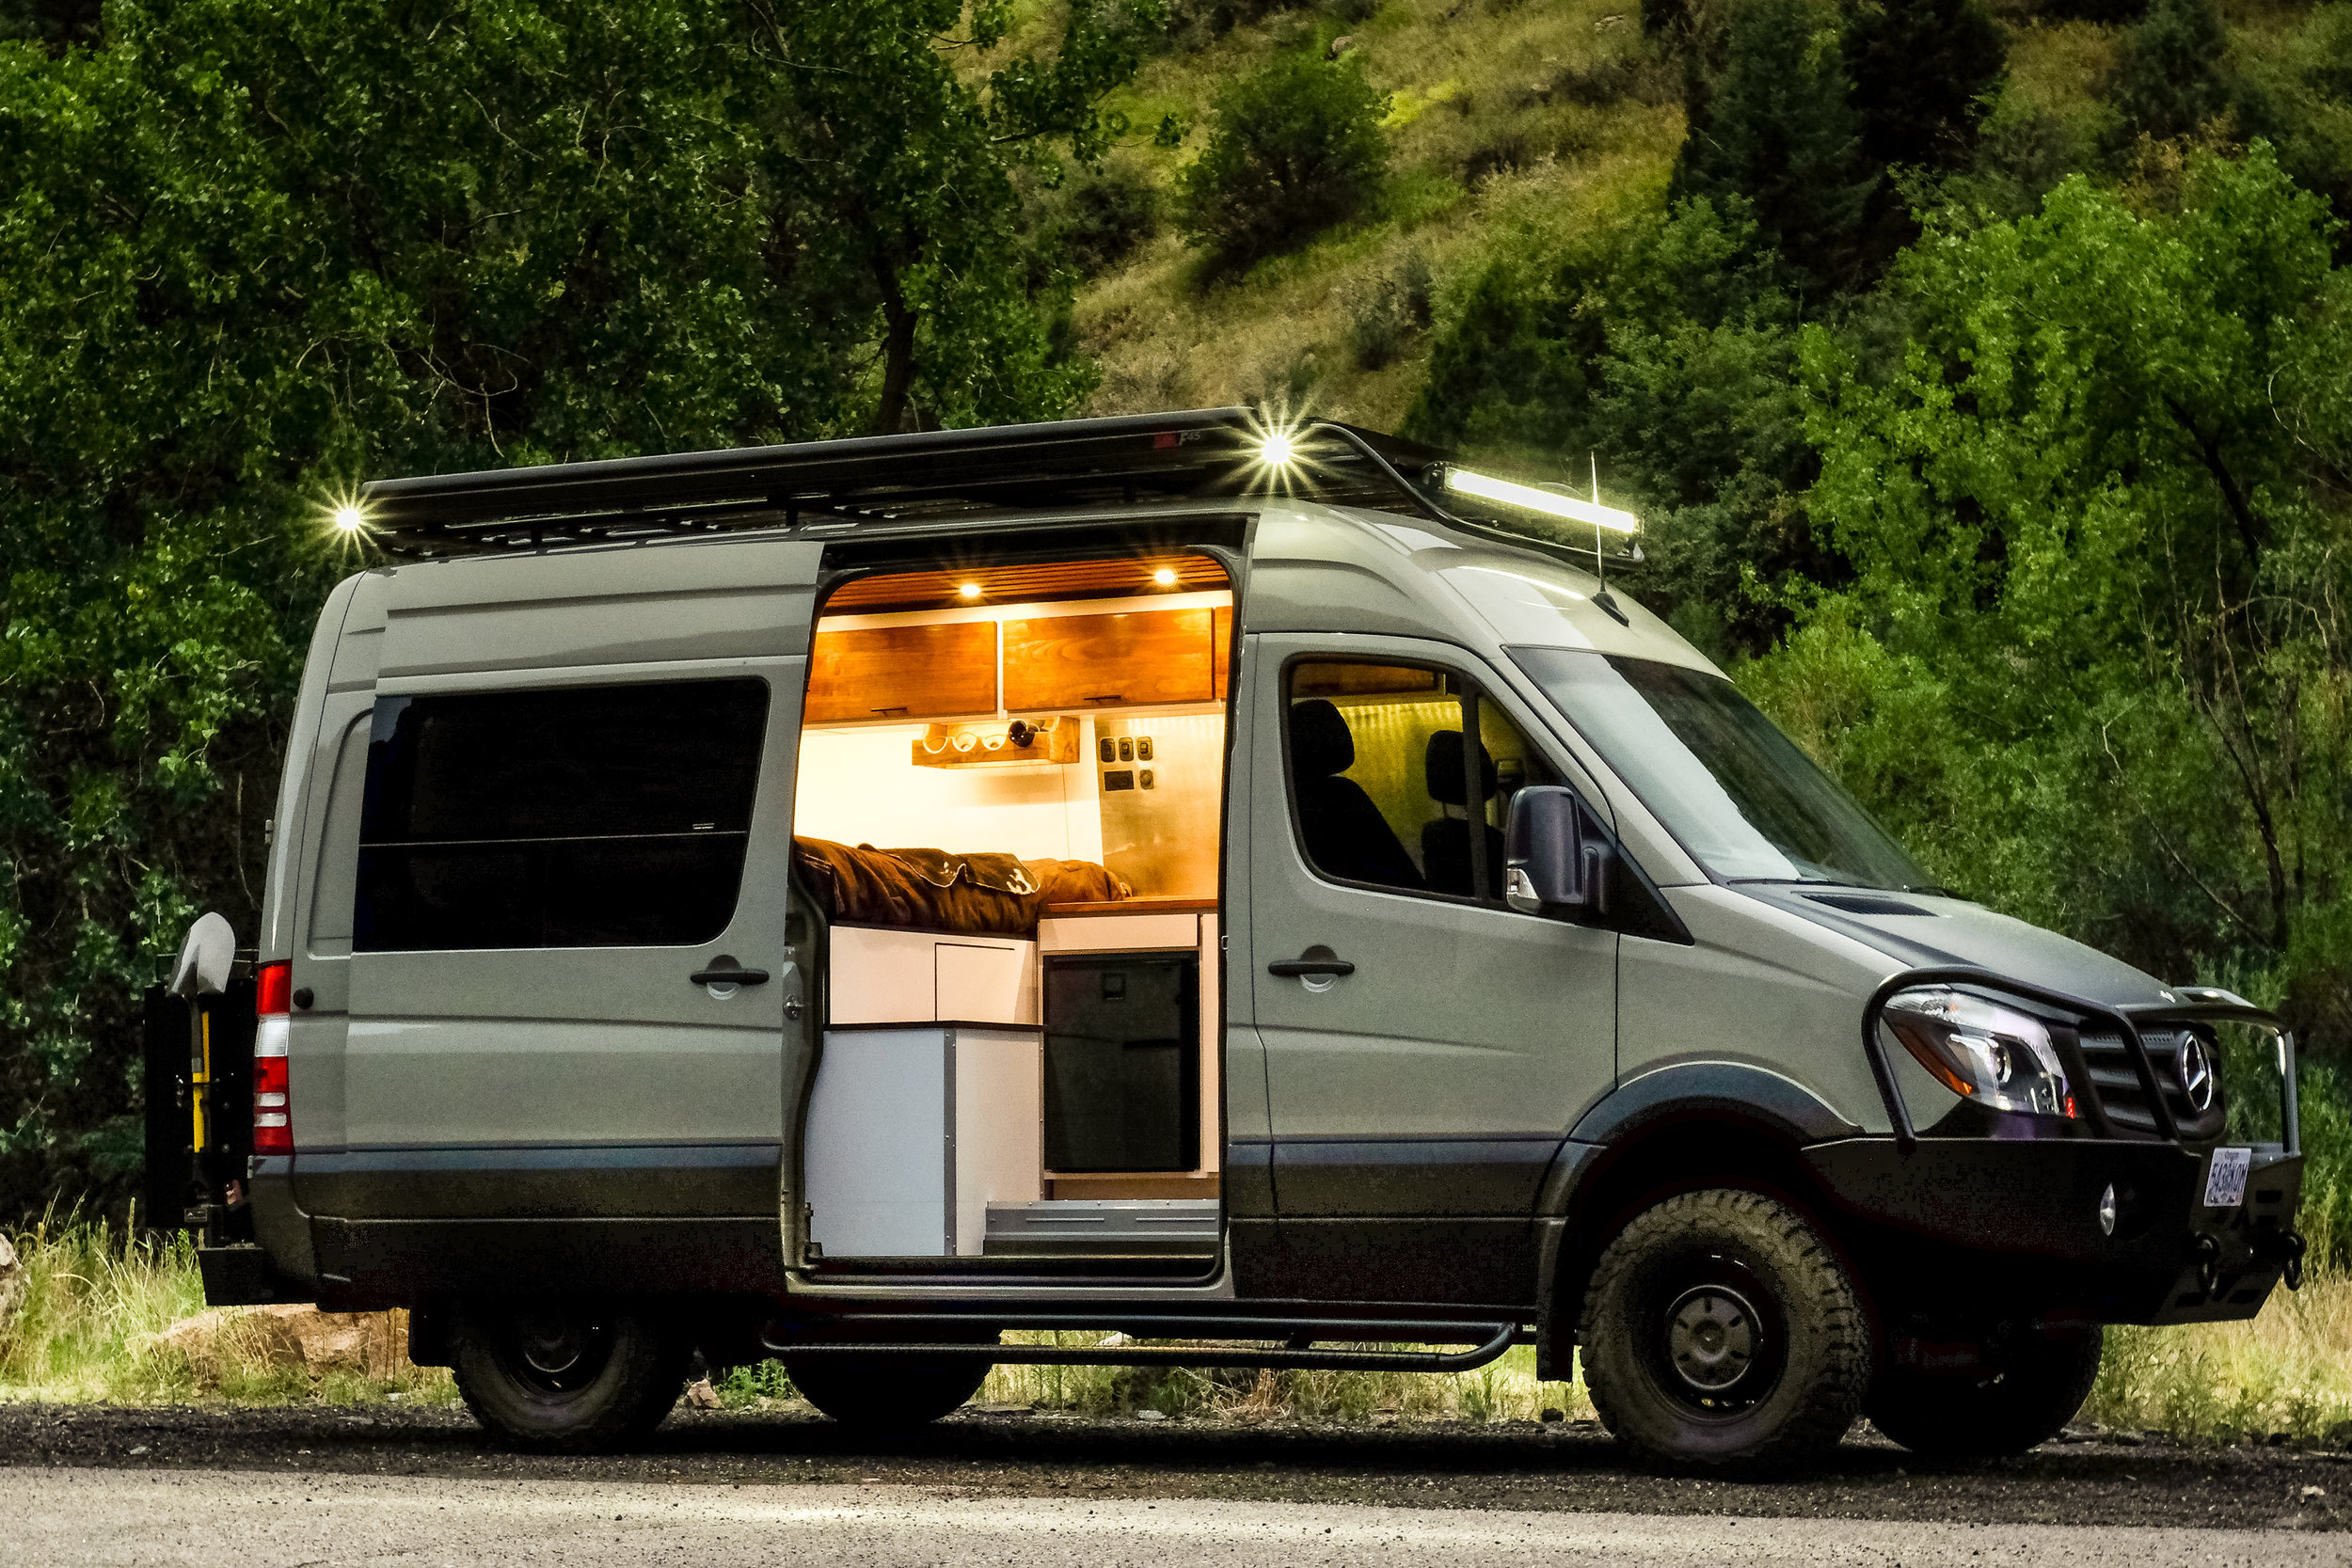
<point>1295,149</point>
<point>2172,73</point>
<point>901,164</point>
<point>1666,347</point>
<point>255,252</point>
<point>2095,664</point>
<point>1777,130</point>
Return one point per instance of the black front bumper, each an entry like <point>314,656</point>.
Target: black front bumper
<point>2020,1219</point>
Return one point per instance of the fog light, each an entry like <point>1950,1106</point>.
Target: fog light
<point>2106,1211</point>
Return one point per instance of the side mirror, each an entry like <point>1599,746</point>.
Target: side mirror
<point>205,956</point>
<point>1548,860</point>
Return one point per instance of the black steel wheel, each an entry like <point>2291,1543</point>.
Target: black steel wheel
<point>1721,1331</point>
<point>2042,1382</point>
<point>565,1375</point>
<point>885,1395</point>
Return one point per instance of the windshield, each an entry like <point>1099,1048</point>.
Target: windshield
<point>1735,791</point>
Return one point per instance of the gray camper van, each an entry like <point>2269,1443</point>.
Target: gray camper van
<point>1256,890</point>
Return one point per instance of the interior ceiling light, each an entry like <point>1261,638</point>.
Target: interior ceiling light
<point>970,590</point>
<point>1164,576</point>
<point>1528,499</point>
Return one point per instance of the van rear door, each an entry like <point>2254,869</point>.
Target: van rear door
<point>570,971</point>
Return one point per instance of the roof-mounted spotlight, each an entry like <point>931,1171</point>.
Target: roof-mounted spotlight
<point>1275,450</point>
<point>1527,498</point>
<point>349,520</point>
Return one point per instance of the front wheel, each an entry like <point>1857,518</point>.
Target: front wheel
<point>567,1376</point>
<point>1720,1331</point>
<point>2037,1391</point>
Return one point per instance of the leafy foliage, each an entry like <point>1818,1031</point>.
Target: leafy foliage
<point>255,252</point>
<point>1296,148</point>
<point>2094,663</point>
<point>1666,347</point>
<point>1777,130</point>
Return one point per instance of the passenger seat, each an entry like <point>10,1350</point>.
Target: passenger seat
<point>1445,844</point>
<point>1344,833</point>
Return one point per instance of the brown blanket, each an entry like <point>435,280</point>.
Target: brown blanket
<point>983,894</point>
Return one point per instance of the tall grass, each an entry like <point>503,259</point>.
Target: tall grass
<point>90,1326</point>
<point>1503,1391</point>
<point>96,1304</point>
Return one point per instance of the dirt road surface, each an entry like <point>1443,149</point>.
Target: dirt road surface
<point>377,1484</point>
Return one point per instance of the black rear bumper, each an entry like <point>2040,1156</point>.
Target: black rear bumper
<point>2020,1218</point>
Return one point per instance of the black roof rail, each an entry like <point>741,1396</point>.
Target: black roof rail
<point>1198,454</point>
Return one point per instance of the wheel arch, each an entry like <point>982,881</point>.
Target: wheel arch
<point>1677,1129</point>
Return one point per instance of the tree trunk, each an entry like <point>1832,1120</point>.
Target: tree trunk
<point>898,352</point>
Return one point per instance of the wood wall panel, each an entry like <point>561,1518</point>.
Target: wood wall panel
<point>902,671</point>
<point>1083,661</point>
<point>1221,631</point>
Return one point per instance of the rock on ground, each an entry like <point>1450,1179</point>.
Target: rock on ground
<point>372,1344</point>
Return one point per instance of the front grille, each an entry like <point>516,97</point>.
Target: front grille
<point>2118,1087</point>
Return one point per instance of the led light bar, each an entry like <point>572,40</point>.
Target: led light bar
<point>1528,499</point>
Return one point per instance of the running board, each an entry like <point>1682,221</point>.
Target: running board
<point>1296,1353</point>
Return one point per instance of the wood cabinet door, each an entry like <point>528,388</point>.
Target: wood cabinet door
<point>1080,661</point>
<point>902,673</point>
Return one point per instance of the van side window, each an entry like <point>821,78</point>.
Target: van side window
<point>578,816</point>
<point>1381,785</point>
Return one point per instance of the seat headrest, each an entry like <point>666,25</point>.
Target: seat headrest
<point>1442,765</point>
<point>1321,745</point>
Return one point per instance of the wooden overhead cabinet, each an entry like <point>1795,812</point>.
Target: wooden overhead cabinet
<point>902,673</point>
<point>1074,662</point>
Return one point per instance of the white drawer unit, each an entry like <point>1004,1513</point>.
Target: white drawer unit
<point>881,974</point>
<point>913,1133</point>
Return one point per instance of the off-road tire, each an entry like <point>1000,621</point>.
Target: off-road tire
<point>628,1373</point>
<point>886,1396</point>
<point>1750,1270</point>
<point>2038,1389</point>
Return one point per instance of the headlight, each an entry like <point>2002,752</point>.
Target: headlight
<point>1993,1054</point>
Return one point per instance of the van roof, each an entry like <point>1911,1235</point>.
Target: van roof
<point>1195,454</point>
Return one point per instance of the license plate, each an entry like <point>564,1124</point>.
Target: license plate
<point>2225,1178</point>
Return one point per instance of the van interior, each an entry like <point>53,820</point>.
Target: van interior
<point>1009,805</point>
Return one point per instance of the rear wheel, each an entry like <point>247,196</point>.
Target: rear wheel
<point>2037,1390</point>
<point>886,1396</point>
<point>567,1376</point>
<point>1720,1331</point>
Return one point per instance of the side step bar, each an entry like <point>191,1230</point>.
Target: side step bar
<point>1296,1352</point>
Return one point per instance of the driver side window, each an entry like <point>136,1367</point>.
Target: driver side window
<point>1401,777</point>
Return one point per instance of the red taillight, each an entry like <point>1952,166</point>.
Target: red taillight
<point>274,991</point>
<point>273,1111</point>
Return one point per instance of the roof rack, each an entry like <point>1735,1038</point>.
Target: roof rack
<point>1201,453</point>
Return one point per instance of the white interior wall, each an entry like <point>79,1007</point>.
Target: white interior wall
<point>860,785</point>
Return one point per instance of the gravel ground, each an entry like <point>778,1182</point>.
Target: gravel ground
<point>1006,1453</point>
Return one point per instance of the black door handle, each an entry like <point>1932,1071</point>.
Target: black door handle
<point>725,971</point>
<point>1315,961</point>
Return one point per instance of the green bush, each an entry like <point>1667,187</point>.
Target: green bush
<point>1297,149</point>
<point>2172,73</point>
<point>1391,313</point>
<point>1098,222</point>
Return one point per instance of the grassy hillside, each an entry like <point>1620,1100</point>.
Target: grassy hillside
<point>1512,127</point>
<point>1507,126</point>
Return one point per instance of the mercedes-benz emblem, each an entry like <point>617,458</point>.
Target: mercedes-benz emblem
<point>2196,1074</point>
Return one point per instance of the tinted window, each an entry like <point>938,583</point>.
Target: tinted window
<point>585,816</point>
<point>1725,781</point>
